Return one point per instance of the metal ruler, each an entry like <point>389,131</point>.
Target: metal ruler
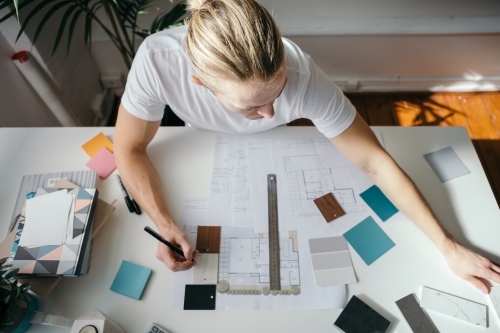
<point>274,237</point>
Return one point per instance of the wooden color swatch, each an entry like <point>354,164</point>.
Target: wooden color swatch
<point>208,240</point>
<point>329,207</point>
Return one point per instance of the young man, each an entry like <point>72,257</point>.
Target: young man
<point>229,70</point>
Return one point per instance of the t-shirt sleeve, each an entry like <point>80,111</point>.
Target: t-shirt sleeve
<point>142,93</point>
<point>325,104</point>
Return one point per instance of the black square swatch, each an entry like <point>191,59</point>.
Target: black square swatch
<point>200,297</point>
<point>358,317</point>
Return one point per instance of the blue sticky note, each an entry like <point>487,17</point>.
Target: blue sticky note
<point>369,240</point>
<point>379,203</point>
<point>131,280</point>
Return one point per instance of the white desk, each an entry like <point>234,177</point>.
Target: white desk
<point>183,157</point>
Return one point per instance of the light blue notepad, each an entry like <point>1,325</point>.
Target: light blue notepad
<point>131,280</point>
<point>379,203</point>
<point>369,240</point>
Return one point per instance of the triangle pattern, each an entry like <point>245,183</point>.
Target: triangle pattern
<point>22,254</point>
<point>53,255</point>
<point>46,249</point>
<point>66,267</point>
<point>68,254</point>
<point>81,217</point>
<point>33,251</point>
<point>27,269</point>
<point>39,269</point>
<point>83,194</point>
<point>82,206</point>
<point>73,247</point>
<point>49,265</point>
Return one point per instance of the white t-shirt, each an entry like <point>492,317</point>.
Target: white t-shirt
<point>160,76</point>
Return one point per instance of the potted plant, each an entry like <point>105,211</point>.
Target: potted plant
<point>16,305</point>
<point>122,16</point>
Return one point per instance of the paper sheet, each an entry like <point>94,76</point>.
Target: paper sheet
<point>305,169</point>
<point>310,297</point>
<point>47,219</point>
<point>92,146</point>
<point>230,200</point>
<point>103,162</point>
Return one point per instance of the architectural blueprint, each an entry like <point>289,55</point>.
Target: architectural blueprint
<point>230,201</point>
<point>306,169</point>
<point>243,262</point>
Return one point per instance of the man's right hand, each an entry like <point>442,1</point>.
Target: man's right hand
<point>171,259</point>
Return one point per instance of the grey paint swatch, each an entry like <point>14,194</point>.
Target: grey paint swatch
<point>327,244</point>
<point>446,164</point>
<point>331,260</point>
<point>415,316</point>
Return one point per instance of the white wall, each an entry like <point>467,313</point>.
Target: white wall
<point>20,104</point>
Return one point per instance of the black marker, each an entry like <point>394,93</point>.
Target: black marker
<point>125,195</point>
<point>164,241</point>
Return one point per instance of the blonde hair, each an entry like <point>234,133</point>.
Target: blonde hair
<point>232,39</point>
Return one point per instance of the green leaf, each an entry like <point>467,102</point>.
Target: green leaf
<point>47,16</point>
<point>72,28</point>
<point>11,273</point>
<point>16,10</point>
<point>32,13</point>
<point>3,261</point>
<point>21,304</point>
<point>62,26</point>
<point>6,299</point>
<point>9,288</point>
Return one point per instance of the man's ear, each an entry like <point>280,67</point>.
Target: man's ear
<point>196,80</point>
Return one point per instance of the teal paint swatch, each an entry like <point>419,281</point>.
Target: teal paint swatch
<point>131,280</point>
<point>379,203</point>
<point>369,240</point>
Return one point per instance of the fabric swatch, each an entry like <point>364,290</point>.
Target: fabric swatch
<point>369,240</point>
<point>95,144</point>
<point>358,317</point>
<point>379,203</point>
<point>103,163</point>
<point>200,297</point>
<point>131,279</point>
<point>446,164</point>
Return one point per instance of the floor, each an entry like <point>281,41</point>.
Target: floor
<point>479,113</point>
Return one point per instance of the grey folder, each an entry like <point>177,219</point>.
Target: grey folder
<point>415,316</point>
<point>446,164</point>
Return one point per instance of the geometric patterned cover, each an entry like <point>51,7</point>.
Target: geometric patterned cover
<point>67,259</point>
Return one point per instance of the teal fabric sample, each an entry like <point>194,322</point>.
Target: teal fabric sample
<point>131,280</point>
<point>369,240</point>
<point>379,203</point>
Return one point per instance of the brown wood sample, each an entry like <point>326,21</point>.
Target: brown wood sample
<point>329,207</point>
<point>208,239</point>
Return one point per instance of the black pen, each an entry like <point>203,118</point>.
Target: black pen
<point>131,204</point>
<point>125,195</point>
<point>164,241</point>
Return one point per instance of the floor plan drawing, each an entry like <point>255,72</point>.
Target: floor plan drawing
<point>230,196</point>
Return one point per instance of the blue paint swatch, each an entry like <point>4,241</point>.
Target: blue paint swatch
<point>131,280</point>
<point>379,203</point>
<point>369,240</point>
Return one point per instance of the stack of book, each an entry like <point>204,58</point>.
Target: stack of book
<point>55,227</point>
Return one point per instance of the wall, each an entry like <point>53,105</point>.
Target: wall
<point>21,106</point>
<point>75,74</point>
<point>383,45</point>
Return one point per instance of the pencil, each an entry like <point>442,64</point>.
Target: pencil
<point>164,241</point>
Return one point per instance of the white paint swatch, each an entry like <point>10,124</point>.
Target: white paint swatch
<point>453,306</point>
<point>331,261</point>
<point>495,299</point>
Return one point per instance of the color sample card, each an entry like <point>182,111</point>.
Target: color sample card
<point>453,306</point>
<point>446,164</point>
<point>331,261</point>
<point>103,163</point>
<point>131,279</point>
<point>358,317</point>
<point>495,299</point>
<point>415,316</point>
<point>369,240</point>
<point>379,203</point>
<point>200,297</point>
<point>95,144</point>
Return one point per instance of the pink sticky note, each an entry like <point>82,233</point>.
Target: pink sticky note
<point>103,162</point>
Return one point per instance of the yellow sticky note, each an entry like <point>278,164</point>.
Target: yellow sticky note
<point>96,143</point>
